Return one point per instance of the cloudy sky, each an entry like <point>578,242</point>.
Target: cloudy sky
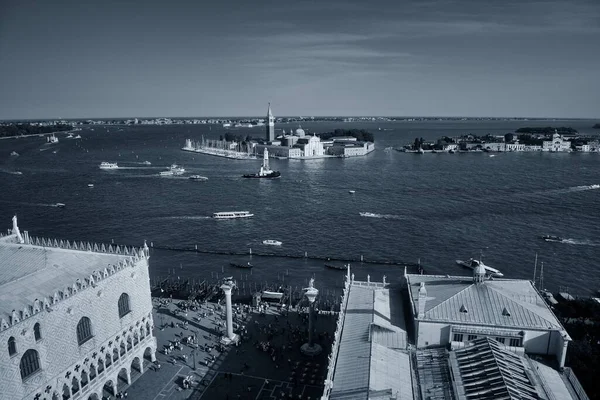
<point>112,58</point>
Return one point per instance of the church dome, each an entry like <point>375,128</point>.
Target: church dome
<point>300,132</point>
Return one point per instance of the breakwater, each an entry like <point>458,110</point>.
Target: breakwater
<point>306,255</point>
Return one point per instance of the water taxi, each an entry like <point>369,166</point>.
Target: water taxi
<point>232,214</point>
<point>107,165</point>
<point>272,242</point>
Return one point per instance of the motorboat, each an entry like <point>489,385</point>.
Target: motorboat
<point>14,153</point>
<point>232,214</point>
<point>108,165</point>
<point>351,191</point>
<point>272,242</point>
<point>551,238</point>
<point>60,205</point>
<point>90,185</point>
<point>147,163</point>
<point>336,266</point>
<point>265,171</point>
<point>198,178</point>
<point>70,136</point>
<point>77,137</point>
<point>472,263</point>
<point>236,265</point>
<point>270,295</point>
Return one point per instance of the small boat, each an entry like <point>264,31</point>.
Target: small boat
<point>52,139</point>
<point>70,136</point>
<point>368,214</point>
<point>166,173</point>
<point>147,163</point>
<point>77,137</point>
<point>107,165</point>
<point>174,170</point>
<point>336,266</point>
<point>90,185</point>
<point>272,242</point>
<point>267,294</point>
<point>198,178</point>
<point>265,171</point>
<point>472,263</point>
<point>232,214</point>
<point>14,153</point>
<point>550,238</point>
<point>248,265</point>
<point>60,205</point>
<point>351,191</point>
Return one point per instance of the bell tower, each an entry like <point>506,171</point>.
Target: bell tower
<point>270,125</point>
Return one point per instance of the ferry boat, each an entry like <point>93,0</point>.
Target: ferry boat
<point>232,214</point>
<point>472,263</point>
<point>272,242</point>
<point>107,165</point>
<point>198,178</point>
<point>174,170</point>
<point>265,171</point>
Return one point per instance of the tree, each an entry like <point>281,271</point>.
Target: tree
<point>509,137</point>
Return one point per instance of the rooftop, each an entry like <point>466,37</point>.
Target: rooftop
<point>46,270</point>
<point>497,302</point>
<point>372,360</point>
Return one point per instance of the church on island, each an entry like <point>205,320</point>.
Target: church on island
<point>75,318</point>
<point>297,144</point>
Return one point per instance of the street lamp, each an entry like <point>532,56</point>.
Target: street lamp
<point>311,348</point>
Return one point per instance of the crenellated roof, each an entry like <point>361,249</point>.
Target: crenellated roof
<point>40,272</point>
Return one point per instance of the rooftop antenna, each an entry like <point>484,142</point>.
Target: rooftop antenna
<point>542,276</point>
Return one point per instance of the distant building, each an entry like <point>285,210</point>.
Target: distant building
<point>75,318</point>
<point>556,144</point>
<point>270,125</point>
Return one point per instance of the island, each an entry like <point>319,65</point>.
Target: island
<point>31,129</point>
<point>562,139</point>
<point>596,126</point>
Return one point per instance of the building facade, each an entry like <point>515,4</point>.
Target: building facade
<point>75,318</point>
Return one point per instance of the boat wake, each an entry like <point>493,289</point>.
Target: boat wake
<point>188,217</point>
<point>11,172</point>
<point>580,242</point>
<point>574,189</point>
<point>383,216</point>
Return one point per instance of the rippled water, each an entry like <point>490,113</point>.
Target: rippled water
<point>432,207</point>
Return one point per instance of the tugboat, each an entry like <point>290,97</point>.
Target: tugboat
<point>265,171</point>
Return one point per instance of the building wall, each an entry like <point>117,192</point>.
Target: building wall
<point>61,357</point>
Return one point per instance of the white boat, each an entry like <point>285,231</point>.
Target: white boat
<point>52,139</point>
<point>232,214</point>
<point>14,153</point>
<point>174,170</point>
<point>108,165</point>
<point>60,205</point>
<point>368,214</point>
<point>351,191</point>
<point>198,178</point>
<point>472,263</point>
<point>147,163</point>
<point>272,242</point>
<point>166,173</point>
<point>70,136</point>
<point>266,294</point>
<point>90,185</point>
<point>77,137</point>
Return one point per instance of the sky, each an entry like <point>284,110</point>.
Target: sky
<point>473,58</point>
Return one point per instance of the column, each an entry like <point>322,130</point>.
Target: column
<point>311,306</point>
<point>311,348</point>
<point>227,290</point>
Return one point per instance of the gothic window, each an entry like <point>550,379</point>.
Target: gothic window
<point>12,346</point>
<point>124,305</point>
<point>84,330</point>
<point>30,363</point>
<point>37,331</point>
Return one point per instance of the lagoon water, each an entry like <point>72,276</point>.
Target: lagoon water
<point>432,207</point>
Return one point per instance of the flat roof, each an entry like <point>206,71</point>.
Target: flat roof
<point>29,272</point>
<point>498,302</point>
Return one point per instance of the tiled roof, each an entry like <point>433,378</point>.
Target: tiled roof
<point>498,302</point>
<point>372,361</point>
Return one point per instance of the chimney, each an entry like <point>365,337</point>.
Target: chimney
<point>422,299</point>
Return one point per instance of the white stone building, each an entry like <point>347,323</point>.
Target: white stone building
<point>75,318</point>
<point>557,144</point>
<point>453,310</point>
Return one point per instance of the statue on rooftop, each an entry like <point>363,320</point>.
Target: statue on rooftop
<point>15,230</point>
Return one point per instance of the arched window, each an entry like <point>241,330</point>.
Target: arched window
<point>124,305</point>
<point>30,363</point>
<point>12,346</point>
<point>37,331</point>
<point>84,330</point>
